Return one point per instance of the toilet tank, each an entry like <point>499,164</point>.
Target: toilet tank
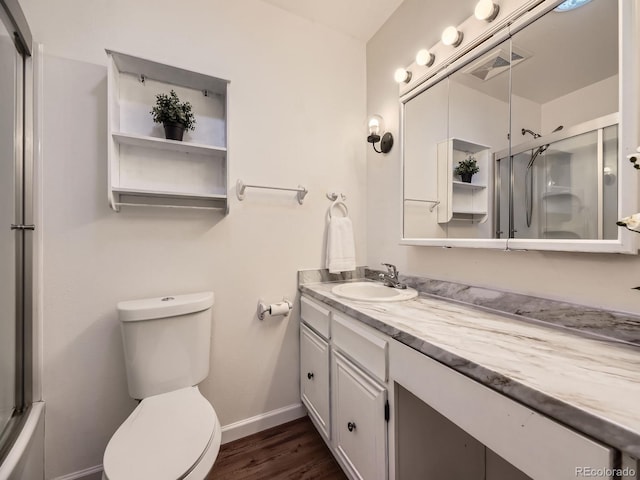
<point>167,341</point>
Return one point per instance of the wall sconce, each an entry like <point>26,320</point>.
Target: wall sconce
<point>486,10</point>
<point>402,76</point>
<point>452,36</point>
<point>376,126</point>
<point>425,58</point>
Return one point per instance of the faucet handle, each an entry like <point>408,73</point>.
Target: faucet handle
<point>392,269</point>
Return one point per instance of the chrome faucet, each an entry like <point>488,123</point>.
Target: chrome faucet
<point>390,278</point>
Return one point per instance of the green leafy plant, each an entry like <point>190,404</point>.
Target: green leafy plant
<point>467,166</point>
<point>169,109</point>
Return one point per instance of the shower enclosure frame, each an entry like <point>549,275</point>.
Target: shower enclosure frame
<point>507,154</point>
<point>22,224</point>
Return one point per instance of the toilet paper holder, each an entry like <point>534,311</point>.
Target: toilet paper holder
<point>280,308</point>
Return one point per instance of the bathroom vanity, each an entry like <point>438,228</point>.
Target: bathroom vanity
<point>433,388</point>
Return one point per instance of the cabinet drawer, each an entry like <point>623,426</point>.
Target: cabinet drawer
<point>533,443</point>
<point>315,315</point>
<point>363,346</point>
<point>359,428</point>
<point>314,378</point>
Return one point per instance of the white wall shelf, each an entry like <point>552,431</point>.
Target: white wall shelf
<point>160,193</point>
<point>469,212</point>
<point>169,145</point>
<point>468,186</point>
<point>145,169</point>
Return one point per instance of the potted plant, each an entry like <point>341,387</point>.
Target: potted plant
<point>176,117</point>
<point>467,168</point>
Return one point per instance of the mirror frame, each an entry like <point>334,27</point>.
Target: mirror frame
<point>520,14</point>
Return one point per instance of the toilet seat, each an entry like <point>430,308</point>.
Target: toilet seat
<point>164,438</point>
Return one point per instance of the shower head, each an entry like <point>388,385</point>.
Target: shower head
<point>543,148</point>
<point>531,132</point>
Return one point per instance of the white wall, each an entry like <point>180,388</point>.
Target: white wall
<point>296,116</point>
<point>588,103</point>
<point>602,280</point>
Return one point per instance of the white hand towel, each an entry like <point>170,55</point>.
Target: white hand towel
<point>341,249</point>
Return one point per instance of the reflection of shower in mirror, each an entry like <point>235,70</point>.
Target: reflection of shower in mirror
<point>563,185</point>
<point>528,197</point>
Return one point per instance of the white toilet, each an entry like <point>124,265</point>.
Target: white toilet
<point>174,432</point>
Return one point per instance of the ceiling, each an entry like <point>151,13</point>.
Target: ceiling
<point>359,19</point>
<point>564,52</point>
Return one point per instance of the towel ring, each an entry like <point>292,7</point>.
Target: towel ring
<point>337,202</point>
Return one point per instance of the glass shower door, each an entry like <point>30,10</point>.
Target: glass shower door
<point>10,69</point>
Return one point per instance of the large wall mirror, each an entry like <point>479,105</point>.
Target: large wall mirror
<point>540,115</point>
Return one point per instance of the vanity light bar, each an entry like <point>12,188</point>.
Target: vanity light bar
<point>485,10</point>
<point>489,17</point>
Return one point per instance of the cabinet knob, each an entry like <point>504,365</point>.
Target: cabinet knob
<point>309,375</point>
<point>351,426</point>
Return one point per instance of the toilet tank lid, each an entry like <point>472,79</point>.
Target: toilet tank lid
<point>161,307</point>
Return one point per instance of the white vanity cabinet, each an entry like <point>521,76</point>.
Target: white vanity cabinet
<point>314,378</point>
<point>360,429</point>
<point>348,401</point>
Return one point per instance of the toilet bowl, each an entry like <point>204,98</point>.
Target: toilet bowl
<point>170,436</point>
<point>174,432</point>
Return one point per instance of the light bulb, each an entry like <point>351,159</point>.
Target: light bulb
<point>486,10</point>
<point>452,36</point>
<point>425,58</point>
<point>402,76</point>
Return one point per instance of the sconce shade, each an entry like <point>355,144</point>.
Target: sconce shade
<point>375,124</point>
<point>402,76</point>
<point>425,58</point>
<point>452,36</point>
<point>376,128</point>
<point>486,10</point>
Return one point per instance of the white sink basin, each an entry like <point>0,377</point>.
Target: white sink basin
<point>373,292</point>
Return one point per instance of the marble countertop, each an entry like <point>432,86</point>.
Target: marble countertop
<point>590,384</point>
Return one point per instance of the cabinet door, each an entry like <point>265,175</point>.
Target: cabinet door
<point>359,425</point>
<point>314,378</point>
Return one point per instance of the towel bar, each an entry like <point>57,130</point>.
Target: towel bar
<point>241,186</point>
<point>434,202</point>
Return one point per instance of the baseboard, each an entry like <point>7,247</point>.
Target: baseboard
<point>256,424</point>
<point>91,473</point>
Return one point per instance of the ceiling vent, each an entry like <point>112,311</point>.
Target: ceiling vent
<point>496,62</point>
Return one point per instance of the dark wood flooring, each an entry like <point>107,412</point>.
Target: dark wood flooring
<point>292,451</point>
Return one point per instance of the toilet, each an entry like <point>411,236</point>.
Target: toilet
<point>174,432</point>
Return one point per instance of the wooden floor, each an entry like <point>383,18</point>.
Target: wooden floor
<point>292,451</point>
